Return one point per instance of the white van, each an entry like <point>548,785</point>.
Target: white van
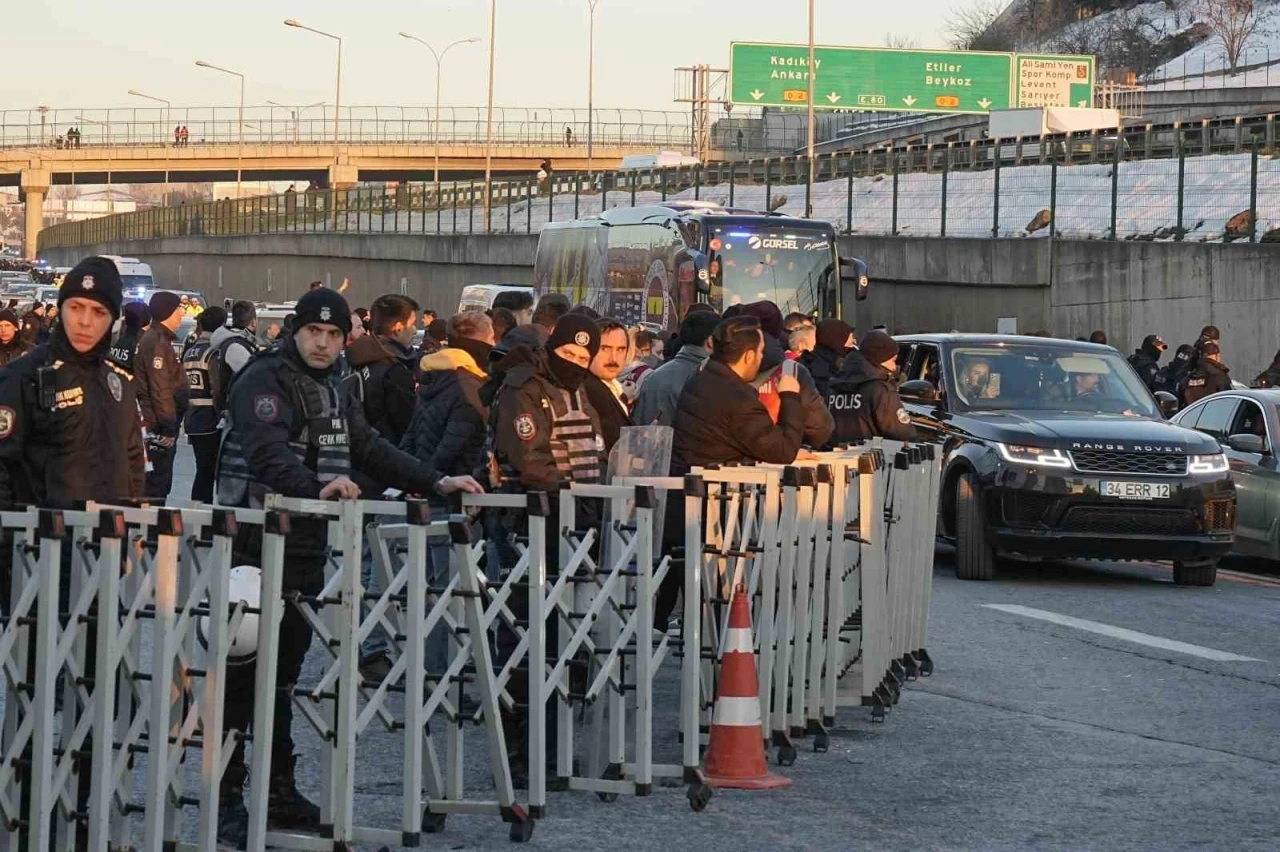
<point>134,274</point>
<point>479,297</point>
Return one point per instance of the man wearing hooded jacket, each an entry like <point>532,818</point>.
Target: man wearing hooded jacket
<point>1146,362</point>
<point>863,398</point>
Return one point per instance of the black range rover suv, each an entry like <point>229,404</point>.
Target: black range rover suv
<point>1054,448</point>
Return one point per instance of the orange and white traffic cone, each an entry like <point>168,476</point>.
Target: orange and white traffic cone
<point>735,754</point>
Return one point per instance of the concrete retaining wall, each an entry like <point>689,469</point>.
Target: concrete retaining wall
<point>1128,289</point>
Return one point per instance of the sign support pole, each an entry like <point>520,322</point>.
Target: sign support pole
<point>808,197</point>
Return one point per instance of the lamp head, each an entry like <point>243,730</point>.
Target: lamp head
<point>292,23</point>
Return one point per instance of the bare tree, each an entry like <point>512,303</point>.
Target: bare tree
<point>1234,23</point>
<point>978,27</point>
<point>900,40</point>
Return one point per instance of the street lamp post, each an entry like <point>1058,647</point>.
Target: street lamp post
<point>488,129</point>
<point>296,114</point>
<point>106,129</point>
<point>239,122</point>
<point>591,83</point>
<point>43,110</point>
<point>165,200</point>
<point>808,207</point>
<point>435,136</point>
<point>337,93</point>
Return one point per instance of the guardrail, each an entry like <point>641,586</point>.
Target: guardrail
<point>1212,180</point>
<point>356,124</point>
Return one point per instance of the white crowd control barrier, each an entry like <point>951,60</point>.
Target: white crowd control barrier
<point>555,668</point>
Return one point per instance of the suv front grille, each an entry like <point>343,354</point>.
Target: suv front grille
<point>1134,520</point>
<point>1146,464</point>
<point>1028,508</point>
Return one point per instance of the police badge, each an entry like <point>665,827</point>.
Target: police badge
<point>157,363</point>
<point>114,385</point>
<point>266,407</point>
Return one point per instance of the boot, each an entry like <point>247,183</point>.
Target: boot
<point>287,809</point>
<point>233,818</point>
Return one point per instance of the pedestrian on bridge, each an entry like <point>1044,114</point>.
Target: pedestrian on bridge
<point>568,137</point>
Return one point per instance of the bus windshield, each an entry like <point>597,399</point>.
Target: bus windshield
<point>790,267</point>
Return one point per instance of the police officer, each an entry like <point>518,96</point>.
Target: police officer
<point>546,435</point>
<point>137,317</point>
<point>545,432</point>
<point>1146,362</point>
<point>292,431</point>
<point>863,399</point>
<point>202,417</point>
<point>1208,376</point>
<point>163,392</point>
<point>12,346</point>
<point>233,347</point>
<point>68,416</point>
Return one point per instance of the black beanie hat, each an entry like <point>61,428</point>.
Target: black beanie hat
<point>212,319</point>
<point>163,304</point>
<point>95,278</point>
<point>575,328</point>
<point>833,334</point>
<point>136,315</point>
<point>10,317</point>
<point>323,306</point>
<point>878,347</point>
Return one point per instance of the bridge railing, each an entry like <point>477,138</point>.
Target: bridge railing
<point>356,124</point>
<point>1205,182</point>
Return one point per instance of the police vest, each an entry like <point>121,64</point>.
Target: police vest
<point>575,446</point>
<point>321,444</point>
<point>202,416</point>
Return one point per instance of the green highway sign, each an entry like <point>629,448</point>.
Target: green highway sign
<point>940,81</point>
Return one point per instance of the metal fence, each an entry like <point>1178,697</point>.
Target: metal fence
<point>1257,66</point>
<point>359,124</point>
<point>1207,182</point>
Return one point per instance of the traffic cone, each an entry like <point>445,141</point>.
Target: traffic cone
<point>735,754</point>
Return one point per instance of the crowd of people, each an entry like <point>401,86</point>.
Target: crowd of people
<point>1196,369</point>
<point>341,404</point>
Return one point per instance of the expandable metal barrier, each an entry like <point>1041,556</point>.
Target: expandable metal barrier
<point>835,554</point>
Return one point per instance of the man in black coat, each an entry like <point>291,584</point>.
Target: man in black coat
<point>721,419</point>
<point>1208,376</point>
<point>69,427</point>
<point>834,340</point>
<point>1146,362</point>
<point>602,387</point>
<point>293,431</point>
<point>11,345</point>
<point>383,366</point>
<point>863,398</point>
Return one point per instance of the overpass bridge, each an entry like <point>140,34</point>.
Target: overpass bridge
<point>314,144</point>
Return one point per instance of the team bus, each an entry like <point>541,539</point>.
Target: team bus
<point>650,264</point>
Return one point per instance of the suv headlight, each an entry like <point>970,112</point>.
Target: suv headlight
<point>1216,463</point>
<point>1034,456</point>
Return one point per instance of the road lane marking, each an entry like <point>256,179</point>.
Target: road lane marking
<point>1123,633</point>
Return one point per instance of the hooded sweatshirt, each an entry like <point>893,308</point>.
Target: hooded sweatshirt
<point>449,425</point>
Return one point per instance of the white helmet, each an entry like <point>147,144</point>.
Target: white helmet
<point>245,585</point>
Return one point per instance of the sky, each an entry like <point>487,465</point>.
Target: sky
<point>89,53</point>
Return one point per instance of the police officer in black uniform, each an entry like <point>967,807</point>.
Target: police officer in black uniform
<point>137,317</point>
<point>1208,376</point>
<point>545,435</point>
<point>202,417</point>
<point>69,428</point>
<point>163,392</point>
<point>292,431</point>
<point>1146,362</point>
<point>69,425</point>
<point>863,398</point>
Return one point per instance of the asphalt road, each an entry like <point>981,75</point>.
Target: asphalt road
<point>1036,731</point>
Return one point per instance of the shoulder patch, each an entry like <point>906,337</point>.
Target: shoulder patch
<point>157,363</point>
<point>115,386</point>
<point>903,417</point>
<point>8,420</point>
<point>266,407</point>
<point>526,429</point>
